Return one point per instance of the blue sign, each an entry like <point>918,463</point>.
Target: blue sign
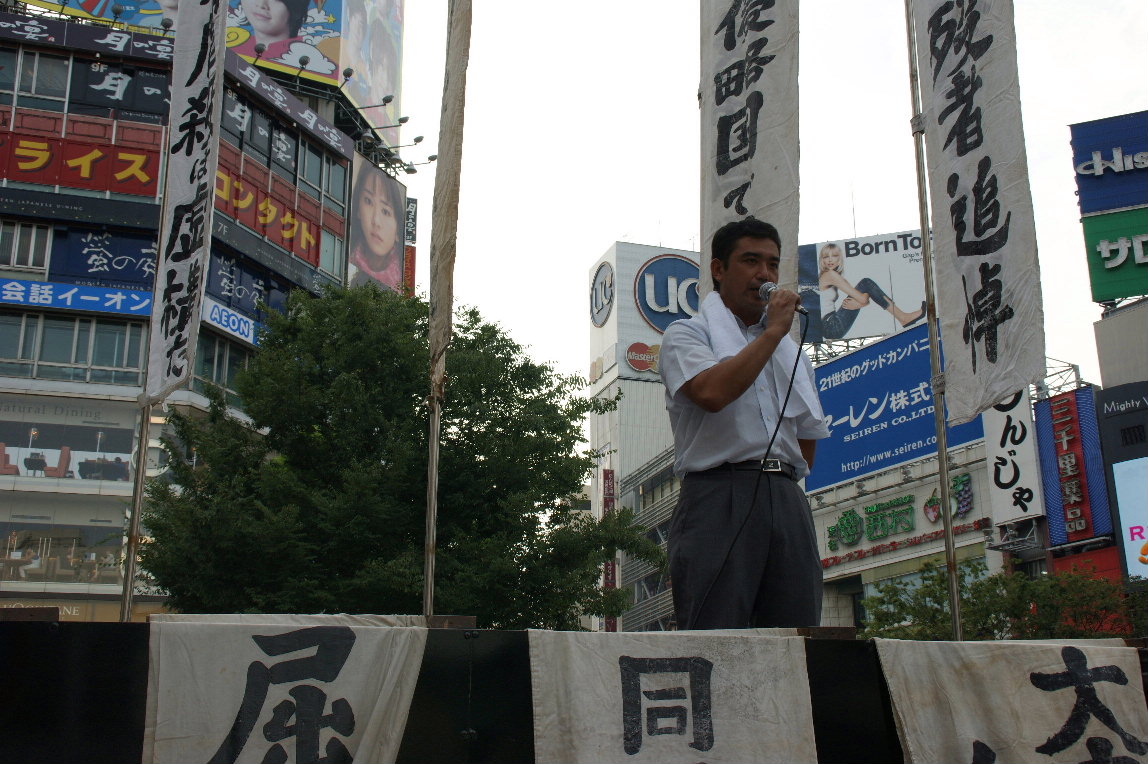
<point>879,408</point>
<point>241,285</point>
<point>226,320</point>
<point>49,294</point>
<point>1111,161</point>
<point>666,290</point>
<point>98,258</point>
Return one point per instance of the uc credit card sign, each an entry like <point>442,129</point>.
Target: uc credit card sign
<point>879,405</point>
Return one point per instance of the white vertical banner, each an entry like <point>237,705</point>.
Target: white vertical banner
<point>1010,451</point>
<point>749,122</point>
<point>189,194</point>
<point>987,275</point>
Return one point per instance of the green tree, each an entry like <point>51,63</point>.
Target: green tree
<point>1000,606</point>
<point>318,504</point>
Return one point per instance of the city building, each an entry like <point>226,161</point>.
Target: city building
<point>83,126</point>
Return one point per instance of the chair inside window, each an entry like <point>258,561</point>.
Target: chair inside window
<point>61,469</point>
<point>6,465</point>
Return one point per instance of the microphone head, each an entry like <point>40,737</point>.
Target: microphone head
<point>765,290</point>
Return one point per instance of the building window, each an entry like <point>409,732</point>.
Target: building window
<point>335,188</point>
<point>8,58</point>
<point>331,254</point>
<point>218,362</point>
<point>310,169</point>
<point>24,245</point>
<point>45,346</point>
<point>43,80</point>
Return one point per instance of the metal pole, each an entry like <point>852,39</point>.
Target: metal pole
<point>431,541</point>
<point>134,521</point>
<point>938,381</point>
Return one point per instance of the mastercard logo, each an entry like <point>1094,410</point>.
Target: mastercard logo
<point>643,357</point>
<point>1144,554</point>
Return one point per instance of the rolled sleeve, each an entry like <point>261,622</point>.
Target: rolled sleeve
<point>685,354</point>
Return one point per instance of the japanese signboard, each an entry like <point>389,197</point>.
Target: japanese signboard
<point>610,572</point>
<point>91,257</point>
<point>879,408</point>
<point>78,164</point>
<point>862,287</point>
<point>246,200</point>
<point>1010,452</point>
<point>749,119</point>
<point>1066,702</point>
<point>1072,467</point>
<point>1110,157</point>
<point>1117,247</point>
<point>1123,415</point>
<point>185,230</point>
<point>246,692</point>
<point>96,299</point>
<point>666,698</point>
<point>987,274</point>
<point>94,38</point>
<point>900,526</point>
<point>241,286</point>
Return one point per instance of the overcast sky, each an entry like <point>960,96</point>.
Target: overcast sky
<point>582,129</point>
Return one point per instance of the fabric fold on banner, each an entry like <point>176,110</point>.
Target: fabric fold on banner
<point>749,121</point>
<point>1015,702</point>
<point>189,195</point>
<point>322,686</point>
<point>670,697</point>
<point>984,238</point>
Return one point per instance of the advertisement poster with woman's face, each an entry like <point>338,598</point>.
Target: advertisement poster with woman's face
<point>865,287</point>
<point>376,223</point>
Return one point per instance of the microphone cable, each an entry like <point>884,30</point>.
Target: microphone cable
<point>760,472</point>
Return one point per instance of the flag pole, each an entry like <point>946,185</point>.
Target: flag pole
<point>444,235</point>
<point>938,379</point>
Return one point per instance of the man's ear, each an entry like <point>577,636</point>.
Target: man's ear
<point>717,270</point>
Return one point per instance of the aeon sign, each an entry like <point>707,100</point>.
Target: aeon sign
<point>666,290</point>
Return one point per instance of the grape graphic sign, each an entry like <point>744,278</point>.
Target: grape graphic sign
<point>879,407</point>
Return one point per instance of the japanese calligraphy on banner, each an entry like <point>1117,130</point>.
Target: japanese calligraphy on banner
<point>1075,491</point>
<point>1010,451</point>
<point>749,121</point>
<point>670,697</point>
<point>329,686</point>
<point>185,230</point>
<point>987,275</point>
<point>1049,702</point>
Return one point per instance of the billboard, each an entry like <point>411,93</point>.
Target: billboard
<point>1123,414</point>
<point>67,438</point>
<point>879,408</point>
<point>91,257</point>
<point>1010,451</point>
<point>1075,494</point>
<point>1110,157</point>
<point>375,237</point>
<point>1117,260</point>
<point>29,158</point>
<point>862,287</point>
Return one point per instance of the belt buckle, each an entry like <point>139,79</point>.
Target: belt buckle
<point>771,465</point>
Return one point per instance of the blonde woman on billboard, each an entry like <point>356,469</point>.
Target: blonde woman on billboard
<point>849,299</point>
<point>376,240</point>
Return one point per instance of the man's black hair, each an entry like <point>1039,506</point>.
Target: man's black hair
<point>726,238</point>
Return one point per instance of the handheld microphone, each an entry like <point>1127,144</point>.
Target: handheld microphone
<point>766,289</point>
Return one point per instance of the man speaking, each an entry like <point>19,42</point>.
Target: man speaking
<point>744,410</point>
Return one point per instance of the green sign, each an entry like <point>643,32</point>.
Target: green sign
<point>881,520</point>
<point>1117,244</point>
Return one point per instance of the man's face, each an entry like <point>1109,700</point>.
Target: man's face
<point>752,263</point>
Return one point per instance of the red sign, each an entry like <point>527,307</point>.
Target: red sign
<point>99,167</point>
<point>643,357</point>
<point>241,199</point>
<point>1070,466</point>
<point>610,569</point>
<point>608,492</point>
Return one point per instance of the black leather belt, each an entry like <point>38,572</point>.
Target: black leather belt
<point>772,466</point>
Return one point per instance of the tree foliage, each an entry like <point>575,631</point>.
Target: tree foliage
<point>1000,606</point>
<point>319,504</point>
